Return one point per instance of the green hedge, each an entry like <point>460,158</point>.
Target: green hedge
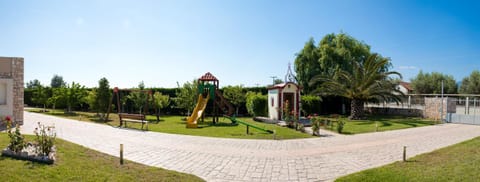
<point>257,104</point>
<point>128,107</point>
<point>311,104</point>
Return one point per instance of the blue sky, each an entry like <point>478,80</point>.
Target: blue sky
<point>239,41</point>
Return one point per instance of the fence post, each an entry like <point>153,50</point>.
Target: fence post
<point>467,106</point>
<point>121,154</point>
<point>409,101</point>
<point>474,110</point>
<point>404,153</point>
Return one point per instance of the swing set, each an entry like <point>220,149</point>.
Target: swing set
<point>130,117</point>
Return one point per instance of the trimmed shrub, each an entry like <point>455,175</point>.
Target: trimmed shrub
<point>340,125</point>
<point>256,104</point>
<point>311,104</point>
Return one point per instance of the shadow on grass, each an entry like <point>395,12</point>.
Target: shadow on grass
<point>211,124</point>
<point>154,121</point>
<point>385,123</point>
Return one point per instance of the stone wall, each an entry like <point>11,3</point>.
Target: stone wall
<point>395,111</point>
<point>12,68</point>
<point>433,107</point>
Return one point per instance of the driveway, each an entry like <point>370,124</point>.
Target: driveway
<point>219,159</point>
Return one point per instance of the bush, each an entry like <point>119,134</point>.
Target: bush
<point>340,125</point>
<point>311,104</point>
<point>45,138</point>
<point>316,123</point>
<point>301,128</point>
<point>256,104</point>
<point>17,141</point>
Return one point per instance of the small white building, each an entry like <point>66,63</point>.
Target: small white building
<point>278,95</point>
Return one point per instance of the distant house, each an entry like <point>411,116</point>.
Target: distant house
<point>405,88</point>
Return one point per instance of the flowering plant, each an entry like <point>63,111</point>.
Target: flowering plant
<point>45,138</point>
<point>17,141</point>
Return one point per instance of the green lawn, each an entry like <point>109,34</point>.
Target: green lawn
<point>459,162</point>
<point>175,125</point>
<point>77,163</point>
<point>384,123</point>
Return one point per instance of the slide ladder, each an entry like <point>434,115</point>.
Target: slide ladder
<point>223,104</point>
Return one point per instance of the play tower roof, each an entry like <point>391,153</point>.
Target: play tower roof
<point>208,77</point>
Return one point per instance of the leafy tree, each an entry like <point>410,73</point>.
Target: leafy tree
<point>368,81</point>
<point>33,84</point>
<point>40,96</point>
<point>54,99</point>
<point>91,100</point>
<point>186,96</point>
<point>160,101</point>
<point>71,95</point>
<point>236,96</point>
<point>335,51</point>
<point>307,64</point>
<point>277,81</point>
<point>471,84</point>
<point>139,98</point>
<point>431,83</point>
<point>57,82</point>
<point>103,97</point>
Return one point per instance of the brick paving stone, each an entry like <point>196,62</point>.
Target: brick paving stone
<point>221,159</point>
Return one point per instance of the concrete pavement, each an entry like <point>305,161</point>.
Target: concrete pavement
<point>220,159</point>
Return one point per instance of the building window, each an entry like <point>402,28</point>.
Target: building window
<point>3,94</point>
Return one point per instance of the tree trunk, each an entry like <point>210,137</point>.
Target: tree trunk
<point>357,110</point>
<point>158,115</point>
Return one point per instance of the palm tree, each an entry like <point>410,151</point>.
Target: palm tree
<point>368,81</point>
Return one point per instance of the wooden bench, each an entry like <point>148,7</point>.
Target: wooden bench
<point>137,118</point>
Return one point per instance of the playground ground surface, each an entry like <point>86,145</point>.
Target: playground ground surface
<point>175,125</point>
<point>455,163</point>
<point>77,163</point>
<point>224,129</point>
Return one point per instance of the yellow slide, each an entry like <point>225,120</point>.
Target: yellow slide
<point>198,111</point>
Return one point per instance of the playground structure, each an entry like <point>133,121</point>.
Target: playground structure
<point>208,90</point>
<point>235,121</point>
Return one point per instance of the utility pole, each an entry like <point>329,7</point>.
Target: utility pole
<point>273,79</point>
<point>441,112</point>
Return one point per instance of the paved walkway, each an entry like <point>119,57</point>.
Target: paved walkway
<point>217,159</point>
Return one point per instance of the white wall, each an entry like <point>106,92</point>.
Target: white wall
<point>273,104</point>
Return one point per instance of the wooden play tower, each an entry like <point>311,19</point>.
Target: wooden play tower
<point>208,88</point>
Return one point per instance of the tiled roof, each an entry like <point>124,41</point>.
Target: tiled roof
<point>208,77</point>
<point>406,85</point>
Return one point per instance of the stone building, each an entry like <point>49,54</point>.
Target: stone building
<point>11,88</point>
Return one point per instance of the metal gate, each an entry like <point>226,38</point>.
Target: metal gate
<point>463,119</point>
<point>467,111</point>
